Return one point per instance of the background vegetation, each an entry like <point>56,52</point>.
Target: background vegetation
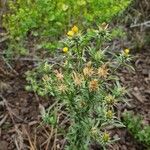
<point>49,20</point>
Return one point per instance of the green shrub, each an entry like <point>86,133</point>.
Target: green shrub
<point>85,87</point>
<point>136,127</point>
<point>51,18</point>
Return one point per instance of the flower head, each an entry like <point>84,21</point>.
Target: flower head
<point>70,33</point>
<point>94,131</point>
<point>82,104</point>
<point>62,88</point>
<point>93,85</point>
<point>110,99</point>
<point>45,78</point>
<point>103,71</point>
<point>65,49</point>
<point>77,78</point>
<point>89,64</point>
<point>75,29</point>
<point>126,52</point>
<point>106,137</point>
<point>109,114</point>
<point>88,70</point>
<point>59,75</point>
<point>104,26</point>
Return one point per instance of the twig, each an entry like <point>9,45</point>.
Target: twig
<point>47,136</point>
<point>49,139</point>
<point>146,24</point>
<point>8,108</point>
<point>10,66</point>
<point>55,139</point>
<point>19,117</point>
<point>35,59</point>
<point>17,145</point>
<point>3,120</point>
<point>11,116</point>
<point>67,119</point>
<point>35,138</point>
<point>32,147</point>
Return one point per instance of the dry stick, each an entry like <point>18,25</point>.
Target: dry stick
<point>146,24</point>
<point>49,139</point>
<point>10,66</point>
<point>55,138</point>
<point>47,133</point>
<point>63,144</point>
<point>8,108</point>
<point>3,120</point>
<point>11,116</point>
<point>50,60</point>
<point>35,138</point>
<point>67,119</point>
<point>30,142</point>
<point>19,117</point>
<point>16,143</point>
<point>17,146</point>
<point>47,136</point>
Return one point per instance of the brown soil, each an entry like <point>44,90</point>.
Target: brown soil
<point>19,110</point>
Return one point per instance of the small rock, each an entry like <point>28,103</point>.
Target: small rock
<point>3,145</point>
<point>135,88</point>
<point>145,71</point>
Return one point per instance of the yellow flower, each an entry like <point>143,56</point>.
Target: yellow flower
<point>126,52</point>
<point>75,29</point>
<point>65,49</point>
<point>70,33</point>
<point>77,78</point>
<point>103,71</point>
<point>93,85</point>
<point>106,137</point>
<point>109,114</point>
